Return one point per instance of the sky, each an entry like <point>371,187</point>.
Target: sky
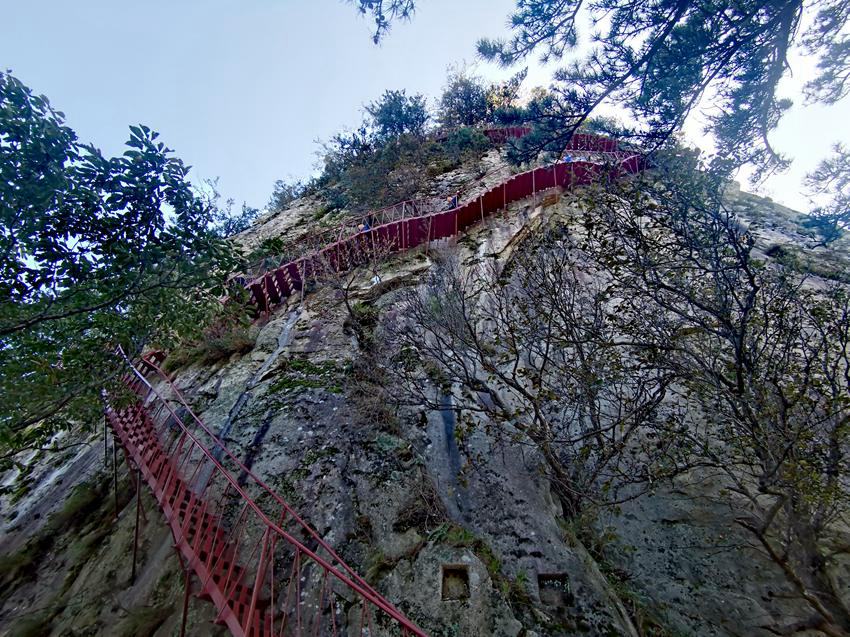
<point>243,89</point>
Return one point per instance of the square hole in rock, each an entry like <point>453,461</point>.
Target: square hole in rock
<point>455,581</point>
<point>554,589</point>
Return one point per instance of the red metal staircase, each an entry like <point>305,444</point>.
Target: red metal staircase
<point>265,569</point>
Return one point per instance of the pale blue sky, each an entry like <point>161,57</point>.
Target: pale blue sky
<point>241,89</point>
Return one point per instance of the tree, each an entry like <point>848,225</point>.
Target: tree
<point>384,12</point>
<point>94,252</point>
<point>285,193</point>
<point>527,352</point>
<point>658,59</point>
<point>464,101</point>
<point>503,96</point>
<point>642,337</point>
<point>395,114</point>
<point>225,222</point>
<point>761,360</point>
<point>832,178</point>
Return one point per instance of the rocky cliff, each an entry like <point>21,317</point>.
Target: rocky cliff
<point>463,549</point>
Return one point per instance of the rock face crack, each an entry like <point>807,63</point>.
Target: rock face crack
<point>283,341</point>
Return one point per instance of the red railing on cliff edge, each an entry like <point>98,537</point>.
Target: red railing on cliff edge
<point>348,247</point>
<point>267,572</point>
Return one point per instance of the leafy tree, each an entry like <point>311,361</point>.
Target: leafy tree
<point>658,59</point>
<point>94,252</point>
<point>503,96</point>
<point>529,353</point>
<point>226,222</point>
<point>762,360</point>
<point>464,101</point>
<point>229,223</point>
<point>641,337</point>
<point>387,158</point>
<point>395,114</point>
<point>464,143</point>
<point>285,193</point>
<point>832,178</point>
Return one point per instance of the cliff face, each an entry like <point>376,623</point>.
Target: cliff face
<point>479,549</point>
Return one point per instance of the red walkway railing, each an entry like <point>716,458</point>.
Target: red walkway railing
<point>313,243</point>
<point>347,246</point>
<point>265,569</point>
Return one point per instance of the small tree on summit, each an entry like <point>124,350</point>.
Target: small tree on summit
<point>395,114</point>
<point>464,101</point>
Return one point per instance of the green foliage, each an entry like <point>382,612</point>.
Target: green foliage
<point>376,175</point>
<point>395,114</point>
<point>229,223</point>
<point>143,621</point>
<point>465,143</point>
<point>225,221</point>
<point>459,537</point>
<point>300,373</point>
<point>384,12</point>
<point>37,625</point>
<point>467,101</point>
<point>831,179</point>
<point>362,175</point>
<point>600,544</point>
<point>464,101</point>
<point>382,162</point>
<point>285,193</point>
<point>230,334</point>
<point>377,565</point>
<point>94,252</point>
<point>77,512</point>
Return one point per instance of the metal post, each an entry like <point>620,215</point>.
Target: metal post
<point>136,531</point>
<point>258,581</point>
<point>115,473</point>
<point>482,209</point>
<point>187,583</point>
<point>105,442</point>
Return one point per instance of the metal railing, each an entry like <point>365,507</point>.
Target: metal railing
<point>266,570</point>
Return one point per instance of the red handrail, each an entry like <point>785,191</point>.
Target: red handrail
<point>218,444</point>
<point>273,287</point>
<point>305,245</point>
<point>213,515</point>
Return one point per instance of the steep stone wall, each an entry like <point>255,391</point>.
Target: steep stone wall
<point>485,553</point>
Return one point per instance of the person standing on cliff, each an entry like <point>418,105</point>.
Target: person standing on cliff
<point>453,199</point>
